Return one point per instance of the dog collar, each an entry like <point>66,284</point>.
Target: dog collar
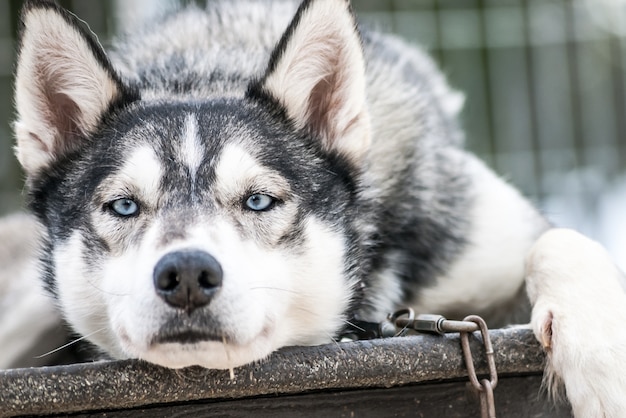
<point>358,329</point>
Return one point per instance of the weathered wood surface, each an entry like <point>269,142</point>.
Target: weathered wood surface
<point>423,376</point>
<point>515,397</point>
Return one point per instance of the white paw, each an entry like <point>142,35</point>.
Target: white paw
<point>579,316</point>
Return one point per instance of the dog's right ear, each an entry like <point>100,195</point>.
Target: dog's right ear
<point>64,84</point>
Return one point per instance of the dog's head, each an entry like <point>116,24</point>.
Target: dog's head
<point>202,231</point>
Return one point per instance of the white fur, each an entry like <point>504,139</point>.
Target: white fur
<point>55,60</point>
<point>192,150</point>
<point>493,262</point>
<point>81,295</point>
<point>143,170</point>
<point>325,50</point>
<point>579,316</point>
<point>265,301</point>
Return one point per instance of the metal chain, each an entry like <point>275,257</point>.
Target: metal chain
<point>405,319</point>
<point>484,387</point>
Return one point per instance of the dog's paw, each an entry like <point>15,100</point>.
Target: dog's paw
<point>579,317</point>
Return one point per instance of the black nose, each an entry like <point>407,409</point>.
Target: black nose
<point>187,279</point>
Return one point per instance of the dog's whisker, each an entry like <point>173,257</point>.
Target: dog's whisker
<point>334,340</point>
<point>64,346</point>
<point>109,293</point>
<point>99,289</point>
<point>280,289</point>
<point>353,325</point>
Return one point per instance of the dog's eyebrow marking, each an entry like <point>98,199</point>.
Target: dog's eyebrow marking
<point>191,150</point>
<point>234,165</point>
<point>238,171</point>
<point>143,171</point>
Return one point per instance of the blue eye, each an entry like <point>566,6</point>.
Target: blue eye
<point>124,207</point>
<point>259,202</point>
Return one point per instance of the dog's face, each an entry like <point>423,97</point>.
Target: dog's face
<point>197,239</point>
<point>196,231</point>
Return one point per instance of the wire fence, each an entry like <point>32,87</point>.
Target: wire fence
<point>544,80</point>
<point>545,86</point>
<point>545,96</point>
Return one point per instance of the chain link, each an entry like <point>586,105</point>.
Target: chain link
<point>484,387</point>
<point>405,319</point>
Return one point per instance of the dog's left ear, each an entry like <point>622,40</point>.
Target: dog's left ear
<point>317,74</point>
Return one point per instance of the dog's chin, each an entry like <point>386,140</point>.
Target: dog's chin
<point>195,348</point>
<point>209,354</point>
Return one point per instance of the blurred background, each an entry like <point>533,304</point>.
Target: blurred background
<point>545,86</point>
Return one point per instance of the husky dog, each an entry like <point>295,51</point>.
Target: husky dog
<point>229,181</point>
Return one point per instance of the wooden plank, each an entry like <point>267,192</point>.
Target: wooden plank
<point>515,397</point>
<point>363,365</point>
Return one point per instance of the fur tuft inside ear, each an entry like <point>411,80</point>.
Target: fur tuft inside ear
<point>317,74</point>
<point>64,84</point>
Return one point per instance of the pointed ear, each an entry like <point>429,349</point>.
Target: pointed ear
<point>64,84</point>
<point>317,74</point>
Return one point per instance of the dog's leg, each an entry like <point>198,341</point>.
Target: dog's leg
<point>579,316</point>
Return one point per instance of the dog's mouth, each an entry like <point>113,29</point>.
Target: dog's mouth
<point>188,331</point>
<point>187,336</point>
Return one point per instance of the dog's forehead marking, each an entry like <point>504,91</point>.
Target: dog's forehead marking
<point>191,150</point>
<point>143,170</point>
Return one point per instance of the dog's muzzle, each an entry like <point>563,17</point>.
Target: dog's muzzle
<point>187,280</point>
